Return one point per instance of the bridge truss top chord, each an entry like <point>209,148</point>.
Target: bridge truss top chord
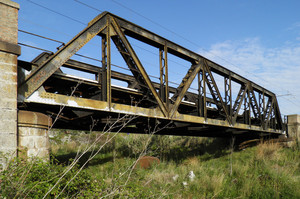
<point>214,110</point>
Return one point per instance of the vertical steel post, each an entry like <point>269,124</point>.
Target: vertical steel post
<point>245,108</point>
<point>260,107</point>
<point>263,109</point>
<point>249,106</point>
<point>202,110</point>
<point>228,96</point>
<point>166,77</point>
<point>161,77</point>
<point>103,74</point>
<point>200,94</point>
<point>164,82</point>
<point>271,119</point>
<point>106,66</point>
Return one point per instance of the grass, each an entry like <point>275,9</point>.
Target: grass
<point>263,171</point>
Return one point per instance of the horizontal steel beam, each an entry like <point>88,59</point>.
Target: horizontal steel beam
<point>89,104</point>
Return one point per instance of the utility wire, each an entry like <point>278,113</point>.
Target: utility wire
<point>144,49</point>
<point>151,22</point>
<point>30,33</point>
<point>47,38</point>
<point>77,54</point>
<point>86,24</point>
<point>174,83</point>
<point>88,6</point>
<point>56,12</point>
<point>44,27</point>
<point>163,27</point>
<point>142,17</point>
<point>34,47</point>
<point>98,60</point>
<point>87,57</point>
<point>191,42</point>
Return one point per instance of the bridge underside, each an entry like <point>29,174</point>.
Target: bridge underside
<point>78,103</point>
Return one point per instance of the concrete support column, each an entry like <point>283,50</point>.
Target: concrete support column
<point>33,139</point>
<point>9,51</point>
<point>294,126</point>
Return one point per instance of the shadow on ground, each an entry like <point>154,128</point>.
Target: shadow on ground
<point>214,148</point>
<point>67,159</point>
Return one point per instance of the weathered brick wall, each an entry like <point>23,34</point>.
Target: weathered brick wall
<point>9,51</point>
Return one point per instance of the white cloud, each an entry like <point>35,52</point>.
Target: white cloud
<point>276,69</point>
<point>294,26</point>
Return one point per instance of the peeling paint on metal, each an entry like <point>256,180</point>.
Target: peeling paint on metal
<point>72,103</point>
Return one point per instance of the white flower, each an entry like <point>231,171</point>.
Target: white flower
<point>191,176</point>
<point>175,177</point>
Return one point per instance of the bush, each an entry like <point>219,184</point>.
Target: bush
<point>34,179</point>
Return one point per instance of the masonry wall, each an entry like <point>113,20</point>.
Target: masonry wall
<point>33,139</point>
<point>9,51</point>
<point>294,126</point>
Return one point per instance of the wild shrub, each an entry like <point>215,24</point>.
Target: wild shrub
<point>130,144</point>
<point>34,179</point>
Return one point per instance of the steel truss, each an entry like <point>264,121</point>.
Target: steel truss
<point>253,108</point>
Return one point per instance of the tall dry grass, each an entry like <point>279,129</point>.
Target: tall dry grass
<point>268,151</point>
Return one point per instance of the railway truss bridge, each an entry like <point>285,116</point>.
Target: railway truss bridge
<point>215,109</point>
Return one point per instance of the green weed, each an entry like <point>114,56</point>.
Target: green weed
<point>264,171</point>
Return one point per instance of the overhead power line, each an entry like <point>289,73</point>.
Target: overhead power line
<point>87,57</point>
<point>91,7</point>
<point>122,5</point>
<point>34,47</point>
<point>80,55</point>
<point>43,26</point>
<point>88,6</point>
<point>191,42</point>
<point>91,58</point>
<point>148,19</point>
<point>71,18</point>
<point>180,36</point>
<point>30,33</point>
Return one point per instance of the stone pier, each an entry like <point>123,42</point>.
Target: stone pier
<point>22,133</point>
<point>33,139</point>
<point>9,52</point>
<point>293,124</point>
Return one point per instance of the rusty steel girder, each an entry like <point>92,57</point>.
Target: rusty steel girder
<point>252,109</point>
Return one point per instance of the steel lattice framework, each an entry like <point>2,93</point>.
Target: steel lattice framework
<point>252,111</point>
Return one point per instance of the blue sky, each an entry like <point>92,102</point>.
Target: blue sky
<point>259,39</point>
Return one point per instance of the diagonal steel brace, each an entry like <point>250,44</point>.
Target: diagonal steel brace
<point>47,68</point>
